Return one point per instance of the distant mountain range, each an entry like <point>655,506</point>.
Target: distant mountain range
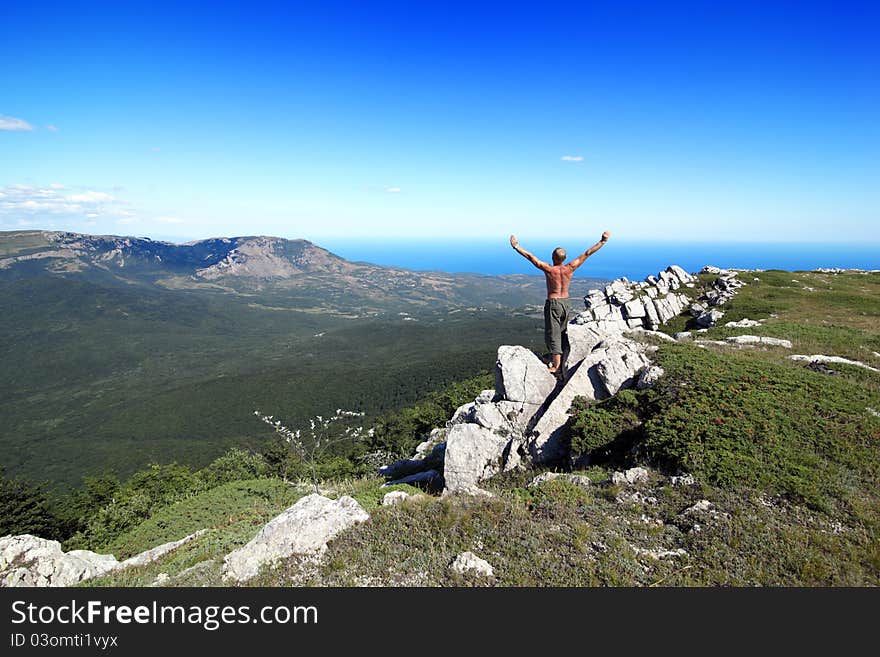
<point>287,272</point>
<point>121,351</point>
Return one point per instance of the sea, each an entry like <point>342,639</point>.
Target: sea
<point>633,259</point>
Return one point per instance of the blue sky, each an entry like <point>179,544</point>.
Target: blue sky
<point>421,120</point>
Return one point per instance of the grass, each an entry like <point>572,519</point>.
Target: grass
<point>233,513</point>
<point>788,457</point>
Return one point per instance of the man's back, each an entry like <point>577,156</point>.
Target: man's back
<point>558,280</point>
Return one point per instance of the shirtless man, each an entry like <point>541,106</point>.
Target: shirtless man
<point>556,308</point>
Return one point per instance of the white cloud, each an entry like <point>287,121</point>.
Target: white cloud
<point>572,158</point>
<point>52,128</point>
<point>393,190</point>
<point>14,125</point>
<point>43,203</point>
<point>90,197</point>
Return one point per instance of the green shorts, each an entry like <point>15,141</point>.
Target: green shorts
<point>556,316</point>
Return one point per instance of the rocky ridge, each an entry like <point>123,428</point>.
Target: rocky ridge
<point>524,419</point>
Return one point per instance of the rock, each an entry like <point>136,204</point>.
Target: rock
<point>161,580</point>
<point>634,309</point>
<point>436,437</point>
<point>661,554</point>
<point>581,339</point>
<point>601,311</point>
<point>818,358</point>
<point>520,376</point>
<point>629,477</point>
<point>703,506</point>
<point>655,334</point>
<point>469,563</point>
<point>27,560</point>
<point>394,497</point>
<point>682,335</point>
<point>517,414</point>
<point>652,318</point>
<point>696,309</point>
<point>709,318</point>
<point>680,273</point>
<point>576,479</point>
<point>649,377</point>
<point>743,323</point>
<point>755,339</point>
<point>406,467</point>
<point>461,414</point>
<point>304,528</point>
<point>619,368</point>
<point>485,397</point>
<point>683,480</point>
<point>473,454</point>
<point>426,477</point>
<point>709,269</point>
<point>611,365</point>
<point>148,556</point>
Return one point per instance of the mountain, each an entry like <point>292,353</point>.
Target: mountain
<point>119,351</point>
<point>292,273</point>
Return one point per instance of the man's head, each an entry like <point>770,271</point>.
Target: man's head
<point>558,255</point>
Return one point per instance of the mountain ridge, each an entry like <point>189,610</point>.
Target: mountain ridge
<point>297,272</point>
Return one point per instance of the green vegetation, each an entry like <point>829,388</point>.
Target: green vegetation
<point>785,460</point>
<point>143,376</point>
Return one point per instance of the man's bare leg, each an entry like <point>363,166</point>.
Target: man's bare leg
<point>555,363</point>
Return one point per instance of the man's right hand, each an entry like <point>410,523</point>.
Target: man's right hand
<point>513,241</point>
<point>606,235</point>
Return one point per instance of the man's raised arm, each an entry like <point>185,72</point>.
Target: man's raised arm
<point>577,262</point>
<point>543,266</point>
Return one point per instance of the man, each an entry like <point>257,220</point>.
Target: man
<point>556,308</point>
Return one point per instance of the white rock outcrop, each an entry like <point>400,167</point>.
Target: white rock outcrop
<point>473,453</point>
<point>520,376</point>
<point>148,556</point>
<point>305,529</point>
<point>759,339</point>
<point>27,560</point>
<point>469,563</point>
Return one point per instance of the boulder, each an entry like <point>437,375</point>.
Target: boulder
<point>407,467</point>
<point>581,340</point>
<point>394,498</point>
<point>620,366</point>
<point>611,365</point>
<point>518,414</point>
<point>743,323</point>
<point>680,273</point>
<point>426,477</point>
<point>520,376</point>
<point>27,560</point>
<point>304,529</point>
<point>819,358</point>
<point>756,339</point>
<point>634,309</point>
<point>629,477</point>
<point>576,479</point>
<point>151,555</point>
<point>649,377</point>
<point>473,453</point>
<point>709,318</point>
<point>489,416</point>
<point>471,564</point>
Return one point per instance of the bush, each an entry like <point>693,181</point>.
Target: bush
<point>236,464</point>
